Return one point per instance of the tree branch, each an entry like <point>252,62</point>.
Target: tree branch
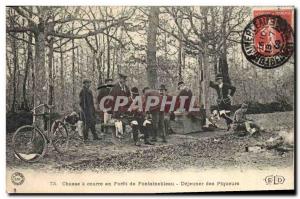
<point>20,12</point>
<point>63,51</point>
<point>19,29</point>
<point>21,39</point>
<point>90,33</point>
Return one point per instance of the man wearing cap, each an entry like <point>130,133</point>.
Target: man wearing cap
<point>139,122</point>
<point>158,126</point>
<point>163,92</point>
<point>240,121</point>
<point>119,89</point>
<point>186,92</point>
<point>103,91</point>
<point>225,93</point>
<point>86,103</point>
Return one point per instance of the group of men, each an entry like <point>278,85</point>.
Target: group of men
<point>159,118</point>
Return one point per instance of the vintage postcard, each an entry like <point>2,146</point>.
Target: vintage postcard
<point>150,99</point>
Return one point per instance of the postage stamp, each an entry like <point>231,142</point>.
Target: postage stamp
<point>268,40</point>
<point>150,99</point>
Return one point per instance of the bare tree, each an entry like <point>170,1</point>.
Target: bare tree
<point>46,21</point>
<point>151,46</point>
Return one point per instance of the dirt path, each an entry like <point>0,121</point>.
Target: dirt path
<point>218,149</point>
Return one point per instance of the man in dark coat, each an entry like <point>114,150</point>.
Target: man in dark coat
<point>184,91</point>
<point>86,103</point>
<point>103,90</point>
<point>158,126</point>
<point>119,89</point>
<point>139,122</point>
<point>225,93</point>
<point>163,92</point>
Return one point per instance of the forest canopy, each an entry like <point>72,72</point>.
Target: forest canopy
<point>50,50</point>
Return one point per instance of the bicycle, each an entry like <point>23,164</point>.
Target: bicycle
<point>30,142</point>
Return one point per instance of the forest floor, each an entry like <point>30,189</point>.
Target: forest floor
<point>206,150</point>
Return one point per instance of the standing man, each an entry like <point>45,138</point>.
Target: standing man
<point>163,92</point>
<point>225,93</point>
<point>120,89</point>
<point>103,91</point>
<point>86,103</point>
<point>139,122</point>
<point>158,126</point>
<point>185,91</point>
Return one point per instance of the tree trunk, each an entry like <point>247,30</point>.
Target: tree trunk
<point>10,80</point>
<point>108,56</point>
<point>114,63</point>
<point>29,63</point>
<point>73,76</point>
<point>199,79</point>
<point>99,67</point>
<point>33,82</point>
<point>223,59</point>
<point>40,80</point>
<point>50,73</point>
<point>205,64</point>
<point>103,55</point>
<point>205,83</point>
<point>39,69</point>
<point>14,80</point>
<point>213,32</point>
<point>62,83</point>
<point>180,53</point>
<point>81,68</point>
<point>151,47</point>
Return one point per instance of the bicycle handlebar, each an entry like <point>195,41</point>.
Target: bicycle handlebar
<point>43,105</point>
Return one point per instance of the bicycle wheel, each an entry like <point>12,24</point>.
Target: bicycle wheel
<point>29,143</point>
<point>59,136</point>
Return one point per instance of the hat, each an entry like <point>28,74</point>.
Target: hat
<point>122,76</point>
<point>219,76</point>
<point>145,88</point>
<point>180,82</point>
<point>105,86</point>
<point>108,80</point>
<point>244,105</point>
<point>134,90</point>
<point>162,87</point>
<point>86,81</point>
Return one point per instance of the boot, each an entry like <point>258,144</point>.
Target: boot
<point>137,143</point>
<point>164,140</point>
<point>96,138</point>
<point>147,142</point>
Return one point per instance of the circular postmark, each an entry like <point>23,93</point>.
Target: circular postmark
<point>268,41</point>
<point>17,178</point>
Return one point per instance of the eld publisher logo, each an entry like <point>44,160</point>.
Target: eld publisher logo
<point>17,178</point>
<point>274,179</point>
